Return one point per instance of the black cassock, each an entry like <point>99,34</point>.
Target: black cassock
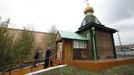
<point>47,59</point>
<point>36,57</point>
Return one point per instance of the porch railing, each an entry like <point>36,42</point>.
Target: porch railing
<point>31,65</point>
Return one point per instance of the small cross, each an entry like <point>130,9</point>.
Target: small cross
<point>87,1</point>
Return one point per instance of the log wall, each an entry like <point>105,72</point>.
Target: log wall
<point>104,45</point>
<point>68,50</point>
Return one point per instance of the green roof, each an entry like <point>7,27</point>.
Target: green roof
<point>90,18</point>
<point>72,35</point>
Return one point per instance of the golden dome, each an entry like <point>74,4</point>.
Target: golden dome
<point>88,9</point>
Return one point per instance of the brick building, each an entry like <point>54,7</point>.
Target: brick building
<point>39,38</point>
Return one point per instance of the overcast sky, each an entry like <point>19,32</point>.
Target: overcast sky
<point>67,15</point>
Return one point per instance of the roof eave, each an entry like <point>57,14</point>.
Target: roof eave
<point>98,26</point>
<point>76,39</point>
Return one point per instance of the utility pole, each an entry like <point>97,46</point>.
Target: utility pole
<point>120,44</point>
<point>119,38</point>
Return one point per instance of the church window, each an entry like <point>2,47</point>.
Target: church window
<point>79,44</point>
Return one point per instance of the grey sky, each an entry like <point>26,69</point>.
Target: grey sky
<point>117,14</point>
<point>67,15</point>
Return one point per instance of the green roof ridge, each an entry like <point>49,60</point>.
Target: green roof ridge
<point>72,35</point>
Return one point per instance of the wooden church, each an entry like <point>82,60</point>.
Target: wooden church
<point>92,41</point>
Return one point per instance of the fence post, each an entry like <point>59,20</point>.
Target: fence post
<point>33,65</point>
<point>10,71</point>
<point>20,70</point>
<point>49,62</point>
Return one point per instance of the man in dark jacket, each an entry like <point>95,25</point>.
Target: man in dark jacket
<point>36,57</point>
<point>47,58</point>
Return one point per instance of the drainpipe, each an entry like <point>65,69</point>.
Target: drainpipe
<point>94,44</point>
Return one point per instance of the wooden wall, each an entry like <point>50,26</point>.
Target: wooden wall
<point>104,45</point>
<point>67,49</point>
<point>89,46</point>
<point>80,54</point>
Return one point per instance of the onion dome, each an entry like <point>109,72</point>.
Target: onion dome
<point>89,17</point>
<point>88,9</point>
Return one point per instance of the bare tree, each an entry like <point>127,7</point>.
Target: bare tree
<point>13,52</point>
<point>24,45</point>
<point>50,38</point>
<point>6,47</point>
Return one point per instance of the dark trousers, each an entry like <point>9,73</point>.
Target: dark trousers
<point>35,62</point>
<point>47,63</point>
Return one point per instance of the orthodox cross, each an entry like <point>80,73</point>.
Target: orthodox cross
<point>87,2</point>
